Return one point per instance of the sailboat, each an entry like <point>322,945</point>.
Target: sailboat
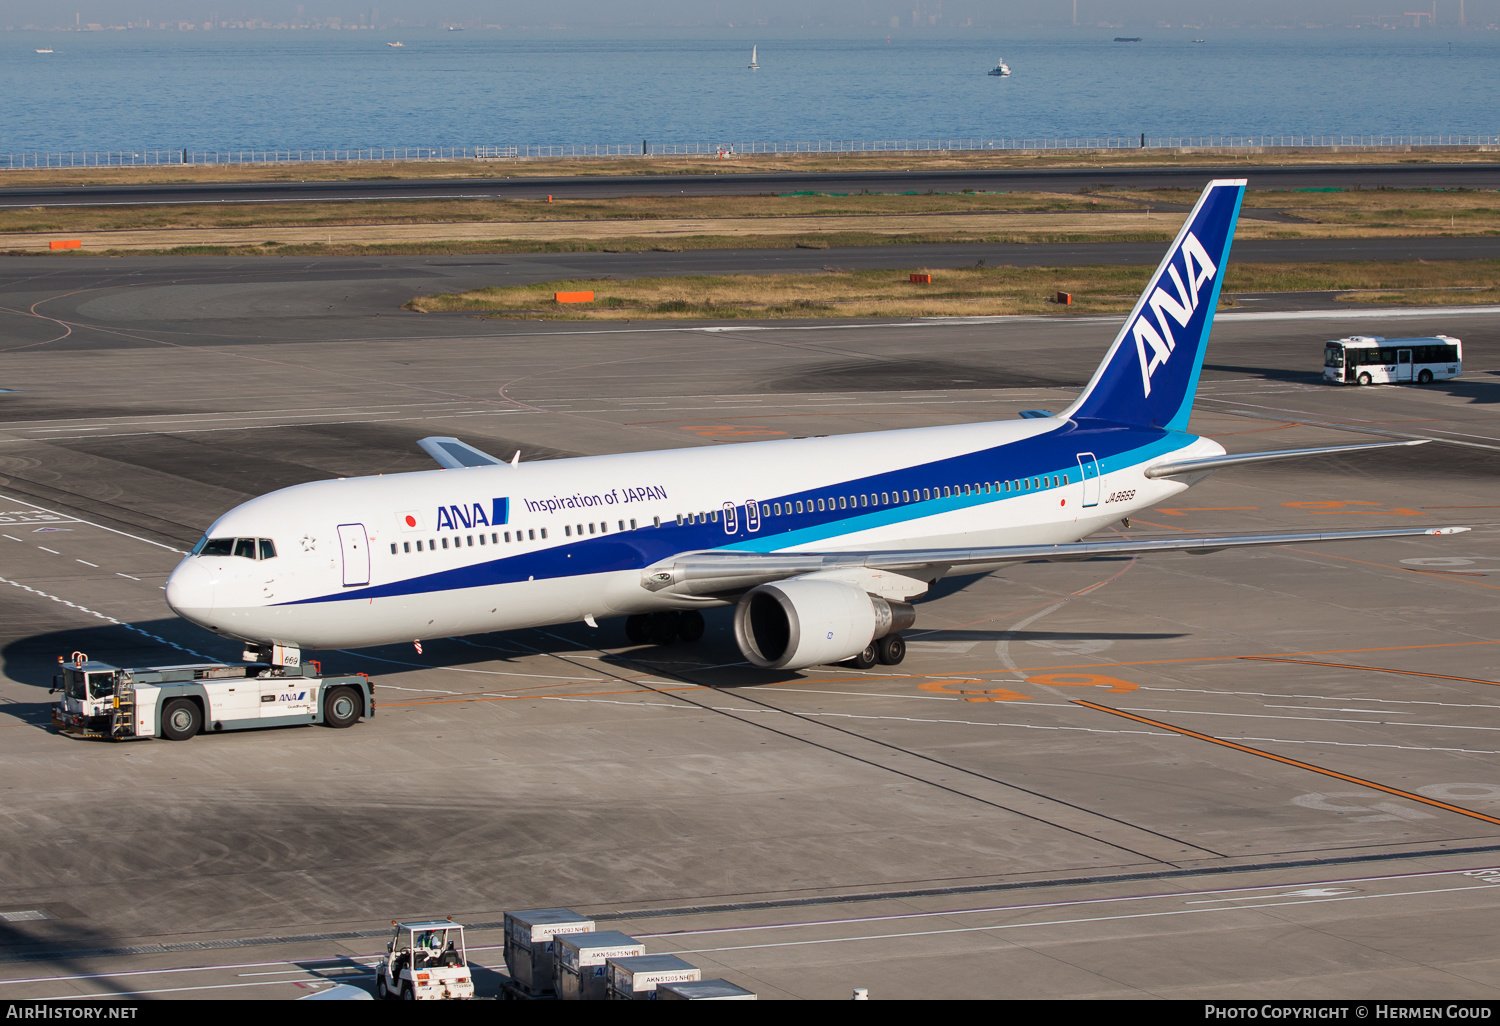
<point>753,65</point>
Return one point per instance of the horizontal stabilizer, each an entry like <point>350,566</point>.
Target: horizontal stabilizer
<point>721,572</point>
<point>1219,462</point>
<point>451,454</point>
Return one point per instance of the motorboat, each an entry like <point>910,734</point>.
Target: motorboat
<point>1001,69</point>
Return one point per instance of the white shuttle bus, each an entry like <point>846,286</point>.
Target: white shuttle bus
<point>1372,360</point>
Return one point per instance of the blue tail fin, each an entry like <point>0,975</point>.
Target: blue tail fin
<point>1151,373</point>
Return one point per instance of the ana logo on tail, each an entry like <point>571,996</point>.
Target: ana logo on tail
<point>1197,269</point>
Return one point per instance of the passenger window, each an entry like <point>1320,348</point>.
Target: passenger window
<point>245,547</point>
<point>843,502</point>
<point>591,528</point>
<point>393,548</point>
<point>445,541</point>
<point>419,546</point>
<point>406,546</point>
<point>632,525</point>
<point>267,549</point>
<point>568,530</point>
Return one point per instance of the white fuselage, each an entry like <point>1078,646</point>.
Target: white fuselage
<point>373,560</point>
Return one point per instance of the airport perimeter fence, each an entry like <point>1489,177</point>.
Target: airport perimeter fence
<point>149,158</point>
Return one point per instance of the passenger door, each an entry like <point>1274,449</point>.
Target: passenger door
<point>356,551</point>
<point>1403,365</point>
<point>1089,468</point>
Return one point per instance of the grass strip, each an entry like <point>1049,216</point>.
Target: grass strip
<point>966,291</point>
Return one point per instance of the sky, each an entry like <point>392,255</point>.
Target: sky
<point>836,16</point>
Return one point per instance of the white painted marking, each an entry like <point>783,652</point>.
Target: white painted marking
<point>87,563</point>
<point>101,527</point>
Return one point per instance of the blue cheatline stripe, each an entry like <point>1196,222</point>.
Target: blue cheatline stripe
<point>1055,452</point>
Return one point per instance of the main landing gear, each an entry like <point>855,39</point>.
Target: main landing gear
<point>887,651</point>
<point>664,628</point>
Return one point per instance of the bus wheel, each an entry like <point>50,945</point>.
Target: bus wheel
<point>1364,378</point>
<point>1425,378</point>
<point>181,719</point>
<point>342,708</point>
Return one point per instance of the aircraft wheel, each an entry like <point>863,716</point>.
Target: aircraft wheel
<point>636,628</point>
<point>690,625</point>
<point>181,719</point>
<point>891,649</point>
<point>1364,378</point>
<point>662,628</point>
<point>868,658</point>
<point>1425,378</point>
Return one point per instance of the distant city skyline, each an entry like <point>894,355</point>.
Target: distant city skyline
<point>598,17</point>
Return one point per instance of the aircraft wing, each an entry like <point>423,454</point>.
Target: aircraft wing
<point>451,454</point>
<point>726,572</point>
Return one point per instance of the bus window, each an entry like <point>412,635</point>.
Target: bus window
<point>1333,356</point>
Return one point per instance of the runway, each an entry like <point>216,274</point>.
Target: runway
<point>1041,801</point>
<point>620,182</point>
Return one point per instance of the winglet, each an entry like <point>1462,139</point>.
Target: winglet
<point>451,454</point>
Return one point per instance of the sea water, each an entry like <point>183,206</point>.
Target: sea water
<point>234,90</point>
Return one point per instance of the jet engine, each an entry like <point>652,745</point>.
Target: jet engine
<point>794,624</point>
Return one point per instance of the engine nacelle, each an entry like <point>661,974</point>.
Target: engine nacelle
<point>794,624</point>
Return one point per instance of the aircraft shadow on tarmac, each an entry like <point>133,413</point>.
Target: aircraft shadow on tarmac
<point>62,942</point>
<point>714,660</point>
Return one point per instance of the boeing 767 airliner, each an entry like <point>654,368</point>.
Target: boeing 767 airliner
<point>820,543</point>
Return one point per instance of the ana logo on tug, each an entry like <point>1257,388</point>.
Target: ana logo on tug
<point>1197,268</point>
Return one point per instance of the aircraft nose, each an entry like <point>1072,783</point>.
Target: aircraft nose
<point>190,591</point>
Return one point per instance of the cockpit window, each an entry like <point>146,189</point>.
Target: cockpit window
<point>248,548</point>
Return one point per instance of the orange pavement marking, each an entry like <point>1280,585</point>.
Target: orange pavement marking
<point>1293,762</point>
<point>1183,511</point>
<point>1374,669</point>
